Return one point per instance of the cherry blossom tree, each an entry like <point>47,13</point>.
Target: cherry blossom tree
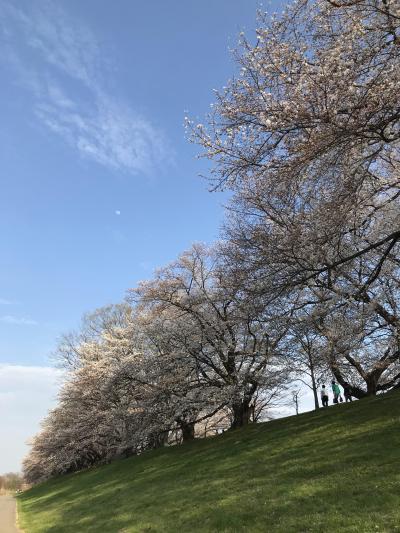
<point>94,420</point>
<point>308,134</point>
<point>361,326</point>
<point>307,138</point>
<point>306,356</point>
<point>235,350</point>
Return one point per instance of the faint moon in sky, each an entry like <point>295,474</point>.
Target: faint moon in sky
<point>117,212</point>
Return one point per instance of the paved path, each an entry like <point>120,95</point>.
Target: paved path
<point>7,515</point>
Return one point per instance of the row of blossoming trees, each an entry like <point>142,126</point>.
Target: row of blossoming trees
<point>306,278</point>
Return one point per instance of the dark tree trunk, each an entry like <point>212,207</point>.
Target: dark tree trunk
<point>160,440</point>
<point>241,414</point>
<point>314,384</point>
<point>315,393</point>
<point>311,366</point>
<point>129,451</point>
<point>187,429</point>
<point>371,385</point>
<point>356,392</point>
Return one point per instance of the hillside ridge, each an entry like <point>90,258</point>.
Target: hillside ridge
<point>327,470</point>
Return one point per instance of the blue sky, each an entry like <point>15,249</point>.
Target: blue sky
<point>99,185</point>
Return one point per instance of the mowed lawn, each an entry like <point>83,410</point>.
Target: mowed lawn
<point>335,470</point>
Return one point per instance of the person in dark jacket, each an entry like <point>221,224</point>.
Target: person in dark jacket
<point>347,393</point>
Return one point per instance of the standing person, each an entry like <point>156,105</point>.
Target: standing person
<point>347,393</point>
<point>324,396</point>
<point>336,391</point>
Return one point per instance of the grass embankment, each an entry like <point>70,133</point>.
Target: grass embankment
<point>336,470</point>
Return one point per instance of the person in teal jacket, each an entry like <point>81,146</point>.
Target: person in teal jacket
<point>336,391</point>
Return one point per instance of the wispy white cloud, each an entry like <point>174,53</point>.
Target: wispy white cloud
<point>4,301</point>
<point>113,135</point>
<point>67,80</point>
<point>26,394</point>
<point>19,321</point>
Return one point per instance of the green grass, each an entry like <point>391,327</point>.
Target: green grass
<point>336,470</point>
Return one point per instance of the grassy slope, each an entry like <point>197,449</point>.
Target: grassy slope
<point>329,471</point>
